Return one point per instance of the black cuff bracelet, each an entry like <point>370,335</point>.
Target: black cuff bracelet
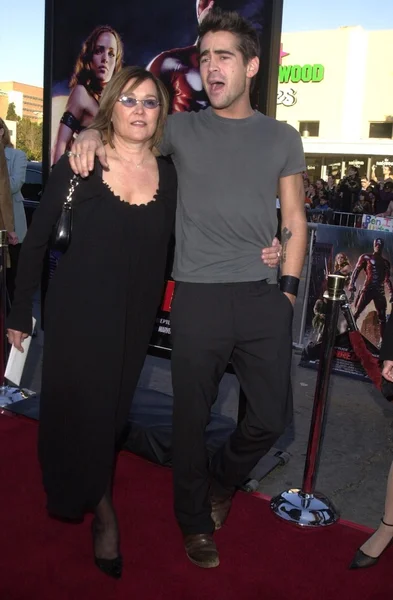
<point>289,284</point>
<point>70,121</point>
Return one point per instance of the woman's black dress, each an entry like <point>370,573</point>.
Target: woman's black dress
<point>99,314</point>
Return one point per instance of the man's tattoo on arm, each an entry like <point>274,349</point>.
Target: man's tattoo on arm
<point>285,237</point>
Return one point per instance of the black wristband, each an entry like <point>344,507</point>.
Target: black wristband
<point>289,284</point>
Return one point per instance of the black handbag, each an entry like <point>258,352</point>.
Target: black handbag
<point>62,231</point>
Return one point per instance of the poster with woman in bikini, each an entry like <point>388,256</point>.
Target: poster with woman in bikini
<point>100,57</point>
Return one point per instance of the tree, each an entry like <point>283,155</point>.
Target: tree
<point>29,138</point>
<point>11,113</point>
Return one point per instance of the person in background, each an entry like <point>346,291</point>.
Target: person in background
<point>368,554</point>
<point>100,58</point>
<point>362,205</point>
<point>364,183</point>
<point>321,193</point>
<point>320,185</point>
<point>16,166</point>
<point>372,200</point>
<point>386,200</point>
<point>386,174</point>
<point>6,209</point>
<point>331,183</point>
<point>331,189</point>
<point>348,189</point>
<point>374,197</point>
<point>323,201</point>
<point>373,185</point>
<point>311,194</point>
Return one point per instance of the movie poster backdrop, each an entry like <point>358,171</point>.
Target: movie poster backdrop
<point>91,41</point>
<point>364,257</point>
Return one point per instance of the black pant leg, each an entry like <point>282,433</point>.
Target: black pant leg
<point>202,343</point>
<point>14,252</point>
<point>262,363</point>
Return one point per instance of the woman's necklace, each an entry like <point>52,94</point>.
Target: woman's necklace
<point>131,162</point>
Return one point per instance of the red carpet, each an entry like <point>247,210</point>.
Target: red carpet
<point>262,558</point>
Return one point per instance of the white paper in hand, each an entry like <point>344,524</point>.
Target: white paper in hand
<point>16,361</point>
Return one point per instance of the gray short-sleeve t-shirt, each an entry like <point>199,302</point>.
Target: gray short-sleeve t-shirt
<point>228,172</point>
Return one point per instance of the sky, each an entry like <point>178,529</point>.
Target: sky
<point>22,39</point>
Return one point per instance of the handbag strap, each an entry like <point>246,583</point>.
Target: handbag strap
<point>74,182</point>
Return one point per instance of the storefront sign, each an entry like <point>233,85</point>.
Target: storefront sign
<point>286,97</point>
<point>356,163</point>
<point>297,73</point>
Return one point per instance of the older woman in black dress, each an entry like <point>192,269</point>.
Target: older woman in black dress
<point>101,303</point>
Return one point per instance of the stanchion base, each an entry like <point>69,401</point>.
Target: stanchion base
<point>9,395</point>
<point>305,510</point>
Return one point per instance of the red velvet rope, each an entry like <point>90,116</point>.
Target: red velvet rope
<point>369,363</point>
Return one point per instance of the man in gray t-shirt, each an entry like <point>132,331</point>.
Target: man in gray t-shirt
<point>230,161</point>
<point>227,196</point>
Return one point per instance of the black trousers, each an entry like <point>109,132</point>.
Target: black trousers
<point>14,252</point>
<point>251,325</point>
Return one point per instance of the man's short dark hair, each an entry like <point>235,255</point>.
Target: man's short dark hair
<point>219,20</point>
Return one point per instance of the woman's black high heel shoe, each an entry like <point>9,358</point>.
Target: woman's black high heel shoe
<point>110,566</point>
<point>362,560</point>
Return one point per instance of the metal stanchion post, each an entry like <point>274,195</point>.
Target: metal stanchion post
<point>304,506</point>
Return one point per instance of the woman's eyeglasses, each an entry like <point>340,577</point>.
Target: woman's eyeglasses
<point>130,102</point>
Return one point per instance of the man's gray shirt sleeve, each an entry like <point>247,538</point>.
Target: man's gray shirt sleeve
<point>295,161</point>
<point>166,146</point>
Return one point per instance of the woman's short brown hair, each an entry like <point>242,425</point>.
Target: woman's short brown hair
<point>113,91</point>
<point>6,139</point>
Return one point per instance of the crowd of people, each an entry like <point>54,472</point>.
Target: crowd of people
<point>351,194</point>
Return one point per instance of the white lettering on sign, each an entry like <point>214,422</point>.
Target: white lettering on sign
<point>286,97</point>
<point>384,163</point>
<point>166,330</point>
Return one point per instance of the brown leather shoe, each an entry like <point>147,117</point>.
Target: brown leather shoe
<point>220,509</point>
<point>202,550</point>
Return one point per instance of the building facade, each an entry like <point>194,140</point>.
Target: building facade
<point>336,89</point>
<point>28,100</point>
